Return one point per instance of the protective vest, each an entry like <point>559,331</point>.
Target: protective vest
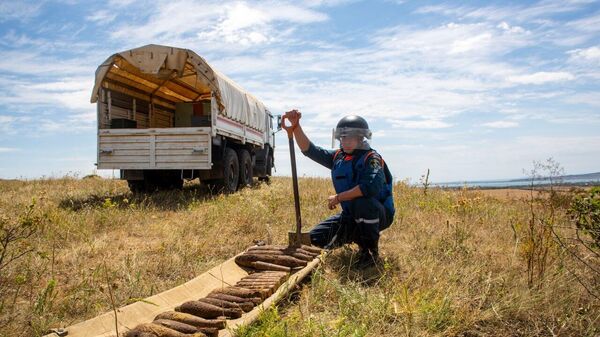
<point>347,170</point>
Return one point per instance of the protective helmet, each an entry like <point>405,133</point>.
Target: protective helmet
<point>352,126</point>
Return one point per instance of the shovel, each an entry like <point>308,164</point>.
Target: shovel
<point>297,238</point>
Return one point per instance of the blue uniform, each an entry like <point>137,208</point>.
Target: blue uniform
<point>363,218</point>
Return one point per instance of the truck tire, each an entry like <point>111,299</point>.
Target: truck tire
<point>269,167</point>
<point>245,168</point>
<point>136,186</point>
<point>231,171</point>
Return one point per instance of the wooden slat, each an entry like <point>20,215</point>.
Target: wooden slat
<point>180,146</point>
<point>124,139</point>
<point>111,85</point>
<point>180,159</point>
<point>125,146</point>
<point>120,151</point>
<point>182,138</point>
<point>200,131</point>
<point>123,159</point>
<point>176,152</point>
<point>128,81</point>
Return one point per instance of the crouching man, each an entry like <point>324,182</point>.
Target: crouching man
<point>363,185</point>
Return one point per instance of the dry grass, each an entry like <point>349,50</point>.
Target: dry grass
<point>453,265</point>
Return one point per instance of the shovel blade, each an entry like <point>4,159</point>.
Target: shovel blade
<point>293,239</point>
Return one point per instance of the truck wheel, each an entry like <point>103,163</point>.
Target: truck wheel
<point>136,186</point>
<point>269,167</point>
<point>245,168</point>
<point>231,171</point>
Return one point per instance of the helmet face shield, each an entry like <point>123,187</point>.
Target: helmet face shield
<point>351,132</point>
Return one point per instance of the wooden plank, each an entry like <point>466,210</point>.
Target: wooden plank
<point>180,138</point>
<point>111,158</point>
<point>174,131</point>
<point>179,160</point>
<point>130,152</point>
<point>129,82</point>
<point>171,152</point>
<point>123,166</point>
<point>126,146</point>
<point>166,136</point>
<point>167,147</point>
<point>121,139</point>
<point>122,88</point>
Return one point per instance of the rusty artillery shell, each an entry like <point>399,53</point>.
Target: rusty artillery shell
<point>154,330</point>
<point>282,260</point>
<point>296,254</point>
<point>206,310</point>
<point>268,266</point>
<point>270,283</point>
<point>209,332</point>
<point>235,299</point>
<point>267,290</point>
<point>306,252</point>
<point>245,306</point>
<point>269,273</point>
<point>312,249</point>
<point>246,283</point>
<point>260,276</point>
<point>302,257</point>
<point>177,326</point>
<point>240,292</point>
<point>192,320</point>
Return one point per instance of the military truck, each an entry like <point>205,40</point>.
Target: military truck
<point>165,115</point>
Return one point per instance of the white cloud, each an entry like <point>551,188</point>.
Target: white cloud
<point>501,124</point>
<point>102,16</point>
<point>511,29</point>
<point>19,10</point>
<point>420,124</point>
<point>8,149</point>
<point>213,24</point>
<point>541,77</point>
<point>474,42</point>
<point>587,54</point>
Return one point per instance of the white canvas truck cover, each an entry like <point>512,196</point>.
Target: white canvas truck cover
<point>178,75</point>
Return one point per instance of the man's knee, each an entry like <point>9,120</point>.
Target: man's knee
<point>318,237</point>
<point>369,208</point>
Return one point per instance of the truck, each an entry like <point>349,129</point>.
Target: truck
<point>165,115</point>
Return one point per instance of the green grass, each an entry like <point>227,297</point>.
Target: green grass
<point>454,261</point>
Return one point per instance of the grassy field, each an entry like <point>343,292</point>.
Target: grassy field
<point>455,263</point>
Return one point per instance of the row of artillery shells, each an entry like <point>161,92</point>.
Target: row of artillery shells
<point>206,316</point>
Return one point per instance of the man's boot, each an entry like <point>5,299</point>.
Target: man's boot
<point>368,257</point>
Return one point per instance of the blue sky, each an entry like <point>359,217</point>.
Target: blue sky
<point>470,91</point>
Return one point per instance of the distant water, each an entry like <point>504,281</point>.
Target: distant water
<point>518,183</point>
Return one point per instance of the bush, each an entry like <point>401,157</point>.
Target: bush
<point>585,211</point>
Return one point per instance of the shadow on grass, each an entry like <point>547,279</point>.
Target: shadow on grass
<point>166,200</point>
<point>344,260</point>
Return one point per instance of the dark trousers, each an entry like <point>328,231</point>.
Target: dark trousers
<point>362,223</point>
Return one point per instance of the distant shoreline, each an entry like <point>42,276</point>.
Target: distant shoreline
<point>472,186</point>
